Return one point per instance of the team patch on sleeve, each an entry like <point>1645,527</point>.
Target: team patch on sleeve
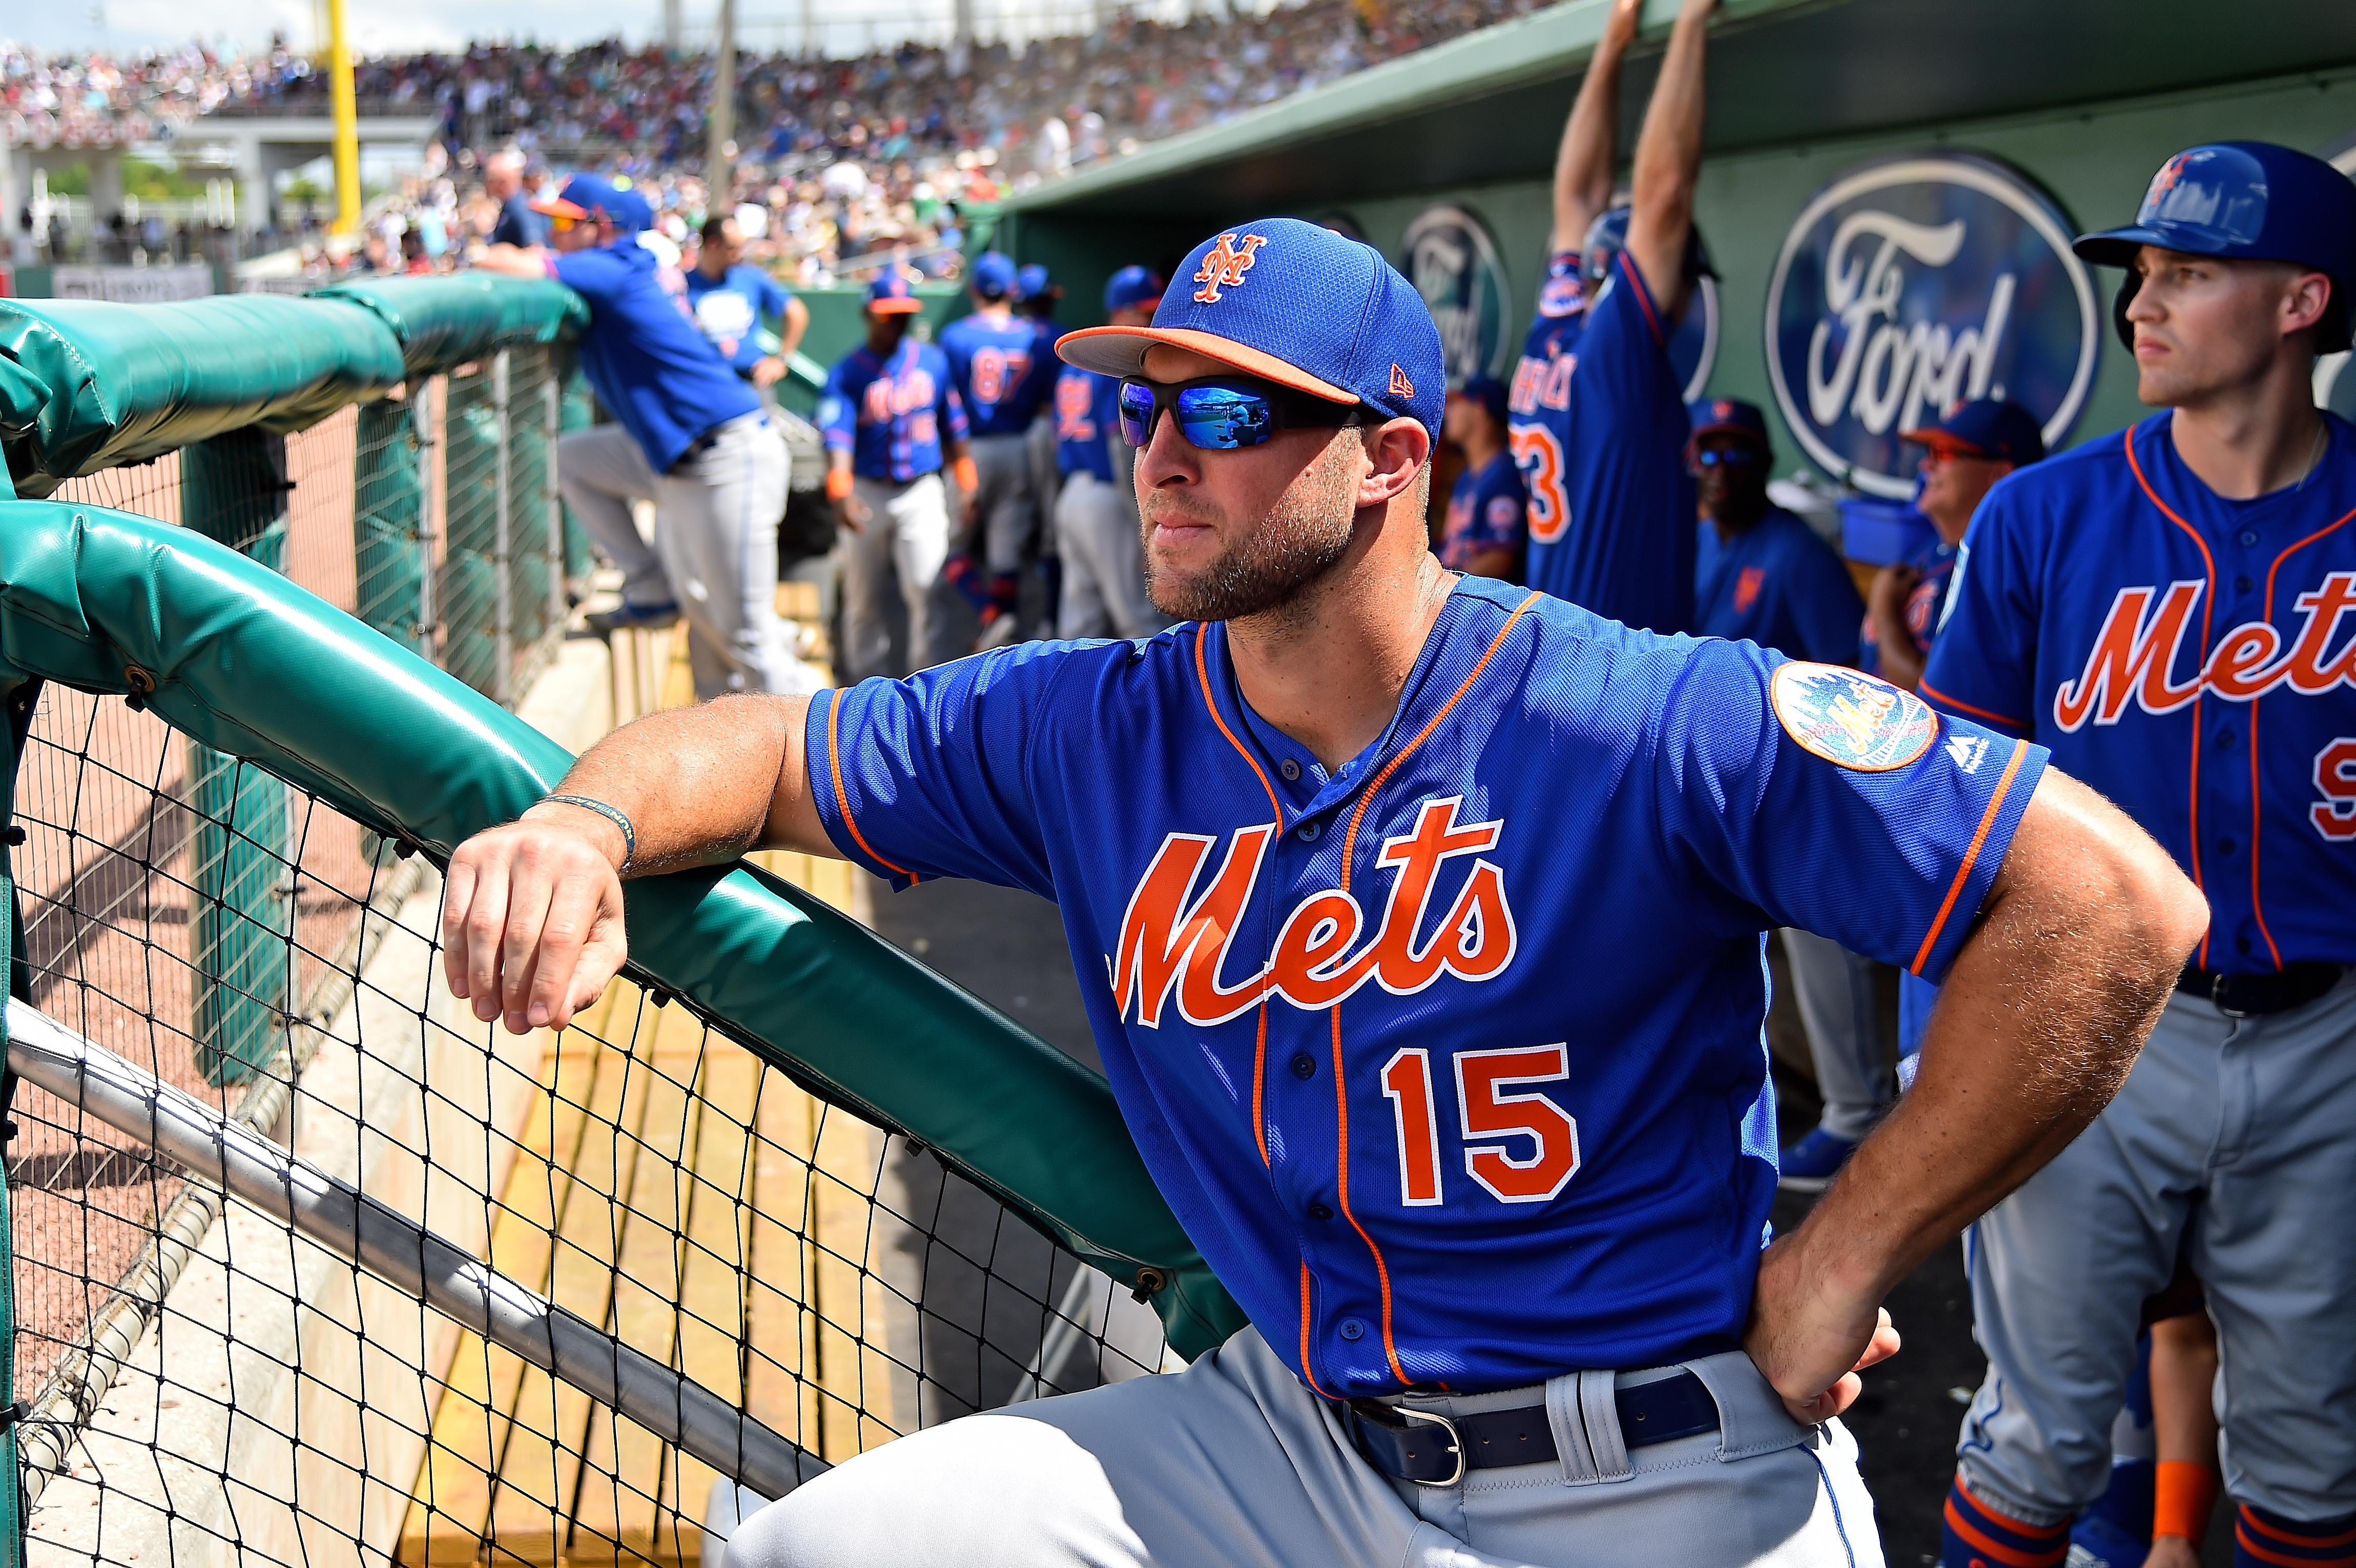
<point>1850,718</point>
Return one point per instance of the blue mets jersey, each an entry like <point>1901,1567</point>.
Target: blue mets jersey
<point>1779,586</point>
<point>1086,416</point>
<point>729,310</point>
<point>1448,1059</point>
<point>998,371</point>
<point>1926,605</point>
<point>1486,511</point>
<point>891,416</point>
<point>2192,658</point>
<point>1597,425</point>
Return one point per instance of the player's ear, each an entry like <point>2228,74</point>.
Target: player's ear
<point>1396,451</point>
<point>2304,301</point>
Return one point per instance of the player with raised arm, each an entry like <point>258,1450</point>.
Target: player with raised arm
<point>1597,416</point>
<point>2172,611</point>
<point>1419,923</point>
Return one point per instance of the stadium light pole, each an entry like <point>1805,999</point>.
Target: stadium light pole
<point>347,121</point>
<point>720,153</point>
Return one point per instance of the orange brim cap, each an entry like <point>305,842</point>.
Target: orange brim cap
<point>905,306</point>
<point>1121,352</point>
<point>1942,442</point>
<point>557,207</point>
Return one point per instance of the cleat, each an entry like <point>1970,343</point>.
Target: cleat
<point>632,618</point>
<point>1810,1165</point>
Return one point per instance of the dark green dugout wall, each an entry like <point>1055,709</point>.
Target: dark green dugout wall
<point>2087,97</point>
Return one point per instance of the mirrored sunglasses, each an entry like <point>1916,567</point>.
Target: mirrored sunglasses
<point>1221,413</point>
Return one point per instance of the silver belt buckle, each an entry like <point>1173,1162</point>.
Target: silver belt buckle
<point>1455,1439</point>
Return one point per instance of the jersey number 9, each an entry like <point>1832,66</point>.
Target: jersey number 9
<point>1497,1126</point>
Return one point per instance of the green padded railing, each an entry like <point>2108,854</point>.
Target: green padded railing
<point>233,655</point>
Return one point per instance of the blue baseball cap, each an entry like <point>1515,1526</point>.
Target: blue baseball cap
<point>583,195</point>
<point>1299,305</point>
<point>890,295</point>
<point>1033,282</point>
<point>632,213</point>
<point>1996,428</point>
<point>1132,286</point>
<point>2250,200</point>
<point>1727,417</point>
<point>993,275</point>
<point>1486,391</point>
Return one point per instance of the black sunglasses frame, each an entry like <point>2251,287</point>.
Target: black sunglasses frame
<point>1288,409</point>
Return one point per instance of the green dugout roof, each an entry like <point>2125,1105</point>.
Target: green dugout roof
<point>1490,106</point>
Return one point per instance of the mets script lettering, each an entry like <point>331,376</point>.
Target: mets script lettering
<point>1891,373</point>
<point>1172,945</point>
<point>2135,655</point>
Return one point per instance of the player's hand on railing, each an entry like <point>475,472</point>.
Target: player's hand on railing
<point>531,917</point>
<point>1810,1336</point>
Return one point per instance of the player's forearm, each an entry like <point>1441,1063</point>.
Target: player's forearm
<point>796,324</point>
<point>2039,1021</point>
<point>513,261</point>
<point>1582,166</point>
<point>700,785</point>
<point>1668,155</point>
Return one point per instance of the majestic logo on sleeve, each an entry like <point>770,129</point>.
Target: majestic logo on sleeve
<point>1850,718</point>
<point>1174,945</point>
<point>2135,653</point>
<point>1224,264</point>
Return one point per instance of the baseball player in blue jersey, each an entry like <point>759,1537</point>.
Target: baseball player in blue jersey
<point>1963,457</point>
<point>2172,612</point>
<point>1487,529</point>
<point>893,423</point>
<point>1036,297</point>
<point>730,298</point>
<point>1598,422</point>
<point>1096,508</point>
<point>994,361</point>
<point>1419,922</point>
<point>688,435</point>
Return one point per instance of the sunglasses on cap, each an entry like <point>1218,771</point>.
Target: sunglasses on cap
<point>1221,413</point>
<point>558,223</point>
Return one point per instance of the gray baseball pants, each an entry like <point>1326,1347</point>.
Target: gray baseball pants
<point>1834,990</point>
<point>907,537</point>
<point>2243,1131</point>
<point>1104,562</point>
<point>1234,1463</point>
<point>1006,509</point>
<point>715,550</point>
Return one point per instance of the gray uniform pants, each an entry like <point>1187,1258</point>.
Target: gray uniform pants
<point>1234,1463</point>
<point>1834,990</point>
<point>1005,506</point>
<point>1046,479</point>
<point>907,537</point>
<point>1104,562</point>
<point>2244,1131</point>
<point>715,550</point>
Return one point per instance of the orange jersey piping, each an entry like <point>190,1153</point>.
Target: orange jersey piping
<point>843,800</point>
<point>1971,857</point>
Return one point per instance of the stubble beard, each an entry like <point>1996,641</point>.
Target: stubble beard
<point>1302,539</point>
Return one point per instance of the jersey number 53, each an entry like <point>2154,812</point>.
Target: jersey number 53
<point>1520,1147</point>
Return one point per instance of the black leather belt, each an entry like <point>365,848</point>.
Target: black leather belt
<point>2255,996</point>
<point>1434,1450</point>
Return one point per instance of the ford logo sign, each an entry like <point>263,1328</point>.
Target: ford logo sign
<point>1915,283</point>
<point>1452,262</point>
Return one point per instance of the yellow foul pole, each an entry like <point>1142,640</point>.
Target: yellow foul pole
<point>347,121</point>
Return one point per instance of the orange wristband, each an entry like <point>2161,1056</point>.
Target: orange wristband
<point>969,478</point>
<point>2182,1496</point>
<point>838,484</point>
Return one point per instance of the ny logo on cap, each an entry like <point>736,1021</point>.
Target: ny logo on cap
<point>1224,264</point>
<point>2165,180</point>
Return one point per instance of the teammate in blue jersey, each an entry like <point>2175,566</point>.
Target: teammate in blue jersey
<point>2172,611</point>
<point>1963,455</point>
<point>1096,534</point>
<point>1036,296</point>
<point>893,423</point>
<point>732,301</point>
<point>1759,572</point>
<point>1419,923</point>
<point>994,361</point>
<point>1487,526</point>
<point>1597,416</point>
<point>689,436</point>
